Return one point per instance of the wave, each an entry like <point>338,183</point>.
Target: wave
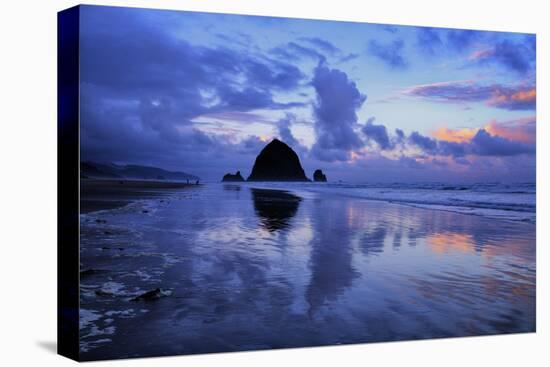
<point>503,201</point>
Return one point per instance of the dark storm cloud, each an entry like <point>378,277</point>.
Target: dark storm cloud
<point>519,97</point>
<point>141,88</point>
<point>378,134</point>
<point>335,110</point>
<point>391,53</point>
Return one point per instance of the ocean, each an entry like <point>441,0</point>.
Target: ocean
<point>515,201</point>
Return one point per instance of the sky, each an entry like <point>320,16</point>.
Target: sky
<point>203,93</point>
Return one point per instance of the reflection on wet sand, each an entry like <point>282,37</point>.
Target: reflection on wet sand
<point>442,243</point>
<point>274,269</point>
<point>331,256</point>
<point>275,208</point>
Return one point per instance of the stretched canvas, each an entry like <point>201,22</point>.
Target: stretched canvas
<point>237,183</point>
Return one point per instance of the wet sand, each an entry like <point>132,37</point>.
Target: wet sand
<point>102,194</point>
<point>239,268</point>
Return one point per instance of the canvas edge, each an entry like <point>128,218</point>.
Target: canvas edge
<point>68,168</point>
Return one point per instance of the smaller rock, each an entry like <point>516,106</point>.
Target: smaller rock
<point>91,271</point>
<point>233,178</point>
<point>319,176</point>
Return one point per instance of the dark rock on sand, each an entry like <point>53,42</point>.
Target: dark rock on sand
<point>90,272</point>
<point>277,162</point>
<point>233,178</point>
<point>319,176</point>
<point>149,296</point>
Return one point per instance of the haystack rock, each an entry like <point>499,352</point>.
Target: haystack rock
<point>277,162</point>
<point>319,176</point>
<point>233,178</point>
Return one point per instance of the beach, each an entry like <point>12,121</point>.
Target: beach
<point>232,267</point>
<point>102,194</point>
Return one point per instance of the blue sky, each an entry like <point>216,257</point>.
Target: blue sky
<point>203,93</point>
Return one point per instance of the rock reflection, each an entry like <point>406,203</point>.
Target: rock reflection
<point>331,255</point>
<point>275,208</point>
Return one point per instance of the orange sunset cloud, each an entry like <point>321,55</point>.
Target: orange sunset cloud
<point>455,136</point>
<point>523,130</point>
<point>500,97</point>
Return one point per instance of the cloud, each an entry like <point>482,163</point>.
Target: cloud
<point>338,100</point>
<point>400,134</point>
<point>322,45</point>
<point>454,136</point>
<point>460,39</point>
<point>485,48</point>
<point>391,54</point>
<point>349,57</point>
<point>519,57</point>
<point>518,97</point>
<point>285,133</point>
<point>520,130</point>
<point>428,40</point>
<point>496,139</point>
<point>484,143</point>
<point>432,41</point>
<point>377,133</point>
<point>523,130</point>
<point>423,142</point>
<point>295,51</point>
<point>142,88</point>
<point>315,48</point>
<point>514,99</point>
<point>390,28</point>
<point>481,144</point>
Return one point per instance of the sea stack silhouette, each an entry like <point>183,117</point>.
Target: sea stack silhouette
<point>277,162</point>
<point>319,176</point>
<point>233,178</point>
